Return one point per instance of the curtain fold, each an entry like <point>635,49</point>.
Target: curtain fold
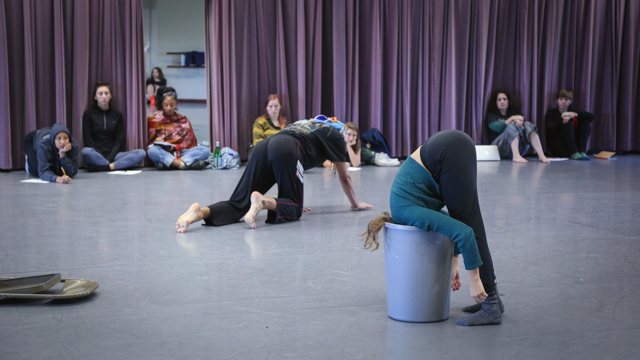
<point>411,68</point>
<point>51,54</point>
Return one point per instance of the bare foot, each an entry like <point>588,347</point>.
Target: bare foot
<point>256,206</point>
<point>519,159</point>
<point>192,215</point>
<point>543,159</point>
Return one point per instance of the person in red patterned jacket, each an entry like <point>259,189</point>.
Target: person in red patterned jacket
<point>172,143</point>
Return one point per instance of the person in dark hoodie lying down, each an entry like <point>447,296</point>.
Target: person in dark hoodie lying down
<point>52,154</point>
<point>103,135</point>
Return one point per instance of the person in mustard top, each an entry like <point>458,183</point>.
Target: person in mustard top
<point>270,123</point>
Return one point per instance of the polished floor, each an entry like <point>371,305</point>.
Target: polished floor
<point>565,239</point>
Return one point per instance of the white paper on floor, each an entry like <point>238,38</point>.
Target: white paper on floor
<point>125,172</point>
<point>354,169</point>
<point>35,181</point>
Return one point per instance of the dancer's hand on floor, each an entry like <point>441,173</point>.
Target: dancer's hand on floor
<point>305,209</point>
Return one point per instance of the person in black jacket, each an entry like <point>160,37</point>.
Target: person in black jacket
<point>103,135</point>
<point>567,131</point>
<point>52,154</point>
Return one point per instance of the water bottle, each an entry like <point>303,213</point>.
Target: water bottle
<point>217,156</point>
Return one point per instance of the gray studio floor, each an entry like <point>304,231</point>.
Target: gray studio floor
<point>564,238</point>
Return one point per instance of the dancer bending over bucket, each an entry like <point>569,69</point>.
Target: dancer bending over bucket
<point>280,159</point>
<point>443,172</point>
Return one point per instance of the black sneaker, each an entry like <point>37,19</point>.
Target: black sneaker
<point>162,166</point>
<point>197,165</point>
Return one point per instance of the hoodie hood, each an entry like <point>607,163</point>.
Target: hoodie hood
<point>55,129</point>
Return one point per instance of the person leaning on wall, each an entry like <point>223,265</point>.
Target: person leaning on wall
<point>508,129</point>
<point>567,131</point>
<point>103,134</point>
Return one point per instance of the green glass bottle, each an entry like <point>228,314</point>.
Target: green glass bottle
<point>217,156</point>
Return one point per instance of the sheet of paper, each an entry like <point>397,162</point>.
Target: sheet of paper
<point>354,169</point>
<point>125,172</point>
<point>35,181</point>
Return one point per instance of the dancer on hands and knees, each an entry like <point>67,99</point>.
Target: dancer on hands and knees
<point>442,172</point>
<point>509,130</point>
<point>282,160</point>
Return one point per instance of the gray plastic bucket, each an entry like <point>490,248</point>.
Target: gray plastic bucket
<point>418,271</point>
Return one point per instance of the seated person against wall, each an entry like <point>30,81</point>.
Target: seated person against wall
<point>155,81</point>
<point>359,155</point>
<point>52,154</point>
<point>568,131</point>
<point>509,131</point>
<point>172,143</point>
<point>270,123</point>
<point>103,135</point>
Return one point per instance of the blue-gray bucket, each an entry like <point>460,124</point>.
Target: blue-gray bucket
<point>418,272</point>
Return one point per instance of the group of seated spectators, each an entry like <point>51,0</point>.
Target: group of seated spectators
<point>567,131</point>
<point>52,154</point>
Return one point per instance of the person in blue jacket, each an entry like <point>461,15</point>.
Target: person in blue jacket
<point>52,154</point>
<point>442,172</point>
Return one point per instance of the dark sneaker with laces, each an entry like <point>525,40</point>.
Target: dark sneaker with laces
<point>197,165</point>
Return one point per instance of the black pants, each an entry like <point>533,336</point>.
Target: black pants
<point>450,157</point>
<point>273,161</point>
<point>572,139</point>
<point>30,151</point>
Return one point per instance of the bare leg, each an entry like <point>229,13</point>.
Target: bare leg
<point>258,202</point>
<point>179,164</point>
<point>534,139</point>
<point>150,90</point>
<point>195,213</point>
<point>516,151</point>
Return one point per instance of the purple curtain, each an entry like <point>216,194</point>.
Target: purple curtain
<point>413,67</point>
<point>52,52</point>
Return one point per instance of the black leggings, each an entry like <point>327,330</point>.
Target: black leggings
<point>273,161</point>
<point>450,157</point>
<point>30,151</point>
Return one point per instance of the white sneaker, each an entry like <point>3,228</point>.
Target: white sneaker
<point>382,159</point>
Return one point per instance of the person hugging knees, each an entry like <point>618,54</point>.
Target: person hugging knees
<point>508,129</point>
<point>52,154</point>
<point>567,132</point>
<point>172,143</point>
<point>155,81</point>
<point>103,135</point>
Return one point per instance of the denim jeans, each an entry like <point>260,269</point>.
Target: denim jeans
<point>124,160</point>
<point>189,156</point>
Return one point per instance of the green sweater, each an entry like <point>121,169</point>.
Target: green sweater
<point>416,201</point>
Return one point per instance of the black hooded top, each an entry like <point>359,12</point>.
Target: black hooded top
<point>50,164</point>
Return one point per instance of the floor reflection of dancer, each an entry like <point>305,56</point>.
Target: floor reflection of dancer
<point>281,159</point>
